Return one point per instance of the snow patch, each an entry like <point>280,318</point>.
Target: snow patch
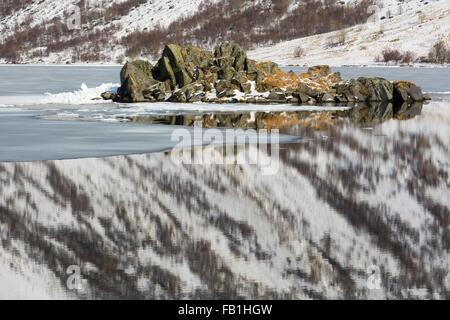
<point>83,96</point>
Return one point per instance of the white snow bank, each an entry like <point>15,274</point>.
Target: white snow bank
<point>83,96</point>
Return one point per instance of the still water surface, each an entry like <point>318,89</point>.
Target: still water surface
<point>369,201</point>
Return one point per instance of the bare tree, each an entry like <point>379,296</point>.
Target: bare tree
<point>440,52</point>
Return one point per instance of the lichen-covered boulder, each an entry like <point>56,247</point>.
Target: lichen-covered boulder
<point>252,71</point>
<point>140,68</point>
<point>366,89</point>
<point>183,65</point>
<point>319,71</point>
<point>378,89</point>
<point>302,97</point>
<point>192,92</point>
<point>135,77</point>
<point>275,78</point>
<point>277,96</point>
<point>326,97</point>
<point>407,91</point>
<point>225,85</point>
<point>157,92</point>
<point>241,81</point>
<point>351,90</point>
<point>230,57</point>
<point>267,68</point>
<point>307,90</point>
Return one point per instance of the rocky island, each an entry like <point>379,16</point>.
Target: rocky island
<point>191,74</point>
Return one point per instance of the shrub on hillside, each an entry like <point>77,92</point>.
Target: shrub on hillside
<point>391,55</point>
<point>396,56</point>
<point>439,53</point>
<point>299,52</point>
<point>408,57</point>
<point>337,40</point>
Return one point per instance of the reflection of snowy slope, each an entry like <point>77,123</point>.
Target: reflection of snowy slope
<point>415,25</point>
<point>143,227</point>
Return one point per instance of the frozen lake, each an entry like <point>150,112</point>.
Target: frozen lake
<point>47,112</point>
<point>370,200</point>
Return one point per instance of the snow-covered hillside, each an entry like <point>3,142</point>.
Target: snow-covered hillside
<point>408,25</point>
<point>138,16</point>
<point>149,14</point>
<point>40,31</point>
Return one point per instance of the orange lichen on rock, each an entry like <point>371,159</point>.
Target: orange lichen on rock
<point>281,79</point>
<point>281,120</point>
<point>267,67</point>
<point>318,78</point>
<point>274,77</point>
<point>317,72</point>
<point>324,83</point>
<point>320,121</point>
<point>403,84</point>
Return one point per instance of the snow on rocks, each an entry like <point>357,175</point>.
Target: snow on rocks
<point>191,74</point>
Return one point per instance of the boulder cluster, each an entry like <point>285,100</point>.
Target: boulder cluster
<point>191,74</point>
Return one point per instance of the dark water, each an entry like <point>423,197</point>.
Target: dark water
<point>363,214</point>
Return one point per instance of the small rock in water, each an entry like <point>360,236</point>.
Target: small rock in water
<point>107,96</point>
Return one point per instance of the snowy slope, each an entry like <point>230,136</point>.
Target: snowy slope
<point>415,25</point>
<point>157,14</point>
<point>147,15</point>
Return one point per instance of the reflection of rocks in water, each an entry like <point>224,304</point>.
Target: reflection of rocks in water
<point>143,227</point>
<point>363,114</point>
<point>376,113</point>
<point>247,120</point>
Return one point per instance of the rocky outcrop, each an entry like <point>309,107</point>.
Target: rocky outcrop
<point>135,77</point>
<point>405,91</point>
<point>183,65</point>
<point>231,59</point>
<point>365,89</point>
<point>191,74</point>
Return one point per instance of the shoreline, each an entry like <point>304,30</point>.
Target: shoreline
<point>113,65</point>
